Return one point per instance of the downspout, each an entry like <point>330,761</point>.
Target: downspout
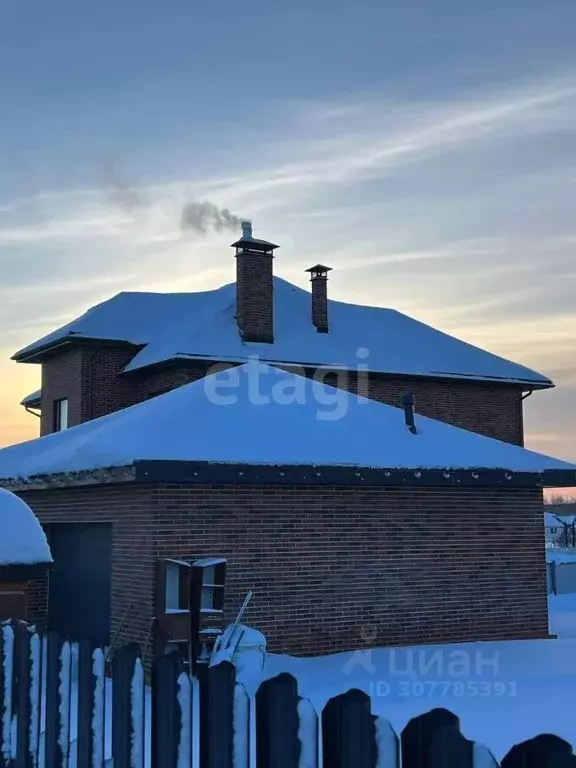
<point>29,410</point>
<point>527,395</point>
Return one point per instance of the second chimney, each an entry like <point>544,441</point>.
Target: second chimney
<point>319,280</point>
<point>254,287</point>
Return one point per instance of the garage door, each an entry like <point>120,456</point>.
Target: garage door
<point>79,582</point>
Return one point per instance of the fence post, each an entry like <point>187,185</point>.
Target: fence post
<point>21,697</point>
<point>349,732</point>
<point>543,750</point>
<point>52,751</point>
<point>553,580</point>
<point>217,686</point>
<point>123,666</point>
<point>277,723</point>
<point>450,749</point>
<point>4,684</point>
<point>166,712</point>
<point>86,688</point>
<point>418,736</point>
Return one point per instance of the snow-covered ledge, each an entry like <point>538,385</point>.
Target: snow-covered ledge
<point>24,550</point>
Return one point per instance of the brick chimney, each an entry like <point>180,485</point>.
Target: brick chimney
<point>254,287</point>
<point>319,280</point>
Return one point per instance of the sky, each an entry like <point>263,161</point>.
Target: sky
<point>424,150</point>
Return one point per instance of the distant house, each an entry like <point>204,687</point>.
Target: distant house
<point>560,527</point>
<point>554,529</point>
<point>321,464</point>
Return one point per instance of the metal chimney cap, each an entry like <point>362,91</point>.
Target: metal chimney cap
<point>246,230</point>
<point>319,270</point>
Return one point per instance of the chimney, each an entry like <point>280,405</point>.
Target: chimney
<point>408,403</point>
<point>254,287</point>
<point>319,280</point>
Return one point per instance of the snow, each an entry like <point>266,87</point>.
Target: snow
<point>206,562</point>
<point>496,688</point>
<point>203,325</point>
<point>551,521</point>
<point>241,726</point>
<point>560,555</point>
<point>562,615</point>
<point>98,670</point>
<point>33,397</point>
<point>243,646</point>
<point>483,758</point>
<point>64,690</point>
<point>35,650</point>
<point>308,735</point>
<point>23,542</point>
<point>185,695</point>
<point>237,416</point>
<point>8,653</point>
<point>137,715</point>
<point>386,743</point>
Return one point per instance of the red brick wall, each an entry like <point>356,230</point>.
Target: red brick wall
<point>62,377</point>
<point>416,565</point>
<point>130,512</point>
<point>420,566</point>
<point>151,384</point>
<point>255,296</point>
<point>106,390</point>
<point>90,379</point>
<point>494,410</point>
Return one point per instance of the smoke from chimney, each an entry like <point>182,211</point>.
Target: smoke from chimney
<point>204,216</point>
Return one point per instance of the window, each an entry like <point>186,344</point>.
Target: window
<point>208,583</point>
<point>176,589</point>
<point>209,576</point>
<point>172,587</point>
<point>61,414</point>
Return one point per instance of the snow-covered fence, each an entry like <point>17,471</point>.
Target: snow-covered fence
<point>280,729</point>
<point>58,710</point>
<point>561,577</point>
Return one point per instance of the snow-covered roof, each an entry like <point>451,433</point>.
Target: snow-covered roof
<point>22,540</point>
<point>260,415</point>
<point>203,325</point>
<point>32,399</point>
<point>551,521</point>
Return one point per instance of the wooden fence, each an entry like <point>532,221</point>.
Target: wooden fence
<point>64,706</point>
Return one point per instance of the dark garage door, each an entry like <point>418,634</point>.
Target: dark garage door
<point>79,583</point>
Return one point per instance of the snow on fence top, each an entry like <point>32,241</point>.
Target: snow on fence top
<point>22,540</point>
<point>259,415</point>
<point>551,521</point>
<point>203,325</point>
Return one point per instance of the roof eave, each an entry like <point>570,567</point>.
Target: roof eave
<point>41,353</point>
<point>211,473</point>
<point>526,385</point>
<point>19,572</point>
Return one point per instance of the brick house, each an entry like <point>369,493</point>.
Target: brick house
<point>334,506</point>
